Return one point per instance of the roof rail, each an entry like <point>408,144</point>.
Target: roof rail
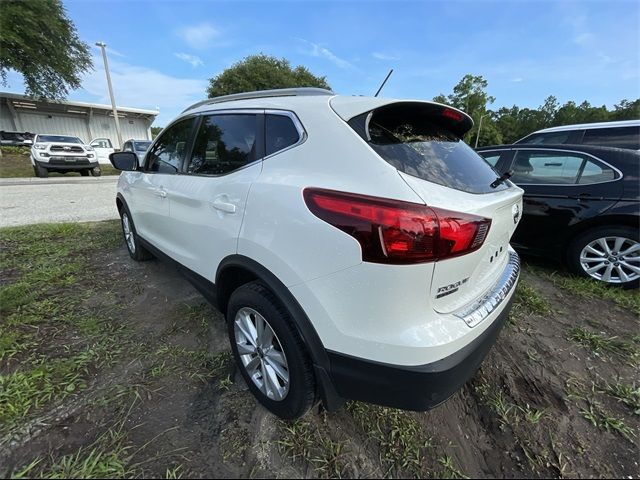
<point>280,92</point>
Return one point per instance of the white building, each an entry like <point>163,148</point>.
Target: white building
<point>19,113</point>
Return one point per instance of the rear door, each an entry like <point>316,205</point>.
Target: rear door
<point>208,200</point>
<point>561,188</point>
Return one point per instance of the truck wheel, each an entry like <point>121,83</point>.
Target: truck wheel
<point>607,254</point>
<point>41,172</point>
<point>270,352</point>
<point>96,172</point>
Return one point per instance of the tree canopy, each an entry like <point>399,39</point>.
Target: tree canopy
<point>262,72</point>
<point>39,41</point>
<point>509,124</point>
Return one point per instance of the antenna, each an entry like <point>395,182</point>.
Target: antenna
<point>385,81</point>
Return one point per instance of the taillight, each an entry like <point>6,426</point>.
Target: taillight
<point>392,231</point>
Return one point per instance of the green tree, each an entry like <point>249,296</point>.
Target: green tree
<point>262,72</point>
<point>626,110</point>
<point>39,41</point>
<point>155,131</point>
<point>469,95</point>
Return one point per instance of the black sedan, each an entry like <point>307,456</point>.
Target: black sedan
<point>581,206</point>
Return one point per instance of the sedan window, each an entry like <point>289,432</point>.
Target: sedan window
<point>546,167</point>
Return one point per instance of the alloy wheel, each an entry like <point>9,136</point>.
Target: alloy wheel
<point>128,233</point>
<point>612,259</point>
<point>261,354</point>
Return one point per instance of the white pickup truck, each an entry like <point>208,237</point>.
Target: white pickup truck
<point>63,153</point>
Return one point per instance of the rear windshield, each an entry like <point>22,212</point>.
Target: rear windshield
<point>423,146</point>
<point>141,146</point>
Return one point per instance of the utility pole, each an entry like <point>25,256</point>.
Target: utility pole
<point>103,46</point>
<point>479,127</point>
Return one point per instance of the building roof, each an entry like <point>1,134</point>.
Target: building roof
<point>31,103</point>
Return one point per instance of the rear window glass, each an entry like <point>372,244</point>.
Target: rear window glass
<point>422,146</point>
<point>621,137</point>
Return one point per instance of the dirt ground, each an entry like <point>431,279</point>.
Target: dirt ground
<point>153,391</point>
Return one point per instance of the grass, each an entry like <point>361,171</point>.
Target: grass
<point>588,288</point>
<point>14,165</point>
<point>37,264</point>
<point>528,301</point>
<point>625,393</point>
<point>599,344</point>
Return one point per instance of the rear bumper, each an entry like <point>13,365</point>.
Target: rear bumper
<point>412,387</point>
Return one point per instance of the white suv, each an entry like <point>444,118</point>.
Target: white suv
<point>358,248</point>
<point>62,153</point>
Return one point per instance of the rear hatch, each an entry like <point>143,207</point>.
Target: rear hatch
<point>424,142</point>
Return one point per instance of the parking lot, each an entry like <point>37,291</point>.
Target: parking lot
<point>25,201</point>
<point>116,368</point>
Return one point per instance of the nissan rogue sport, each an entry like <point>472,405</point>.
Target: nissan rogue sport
<point>358,248</point>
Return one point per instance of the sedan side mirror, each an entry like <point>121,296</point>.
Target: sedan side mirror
<point>125,161</point>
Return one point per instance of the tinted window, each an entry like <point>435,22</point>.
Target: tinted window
<point>141,147</point>
<point>171,148</point>
<point>423,146</point>
<point>594,173</point>
<point>621,137</point>
<point>280,133</point>
<point>546,167</point>
<point>224,143</point>
<point>551,138</point>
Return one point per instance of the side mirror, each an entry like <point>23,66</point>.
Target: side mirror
<point>125,161</point>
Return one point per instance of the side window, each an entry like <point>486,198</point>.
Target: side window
<point>171,148</point>
<point>551,138</point>
<point>492,158</point>
<point>594,173</point>
<point>101,143</point>
<point>280,133</point>
<point>621,137</point>
<point>224,143</point>
<point>546,167</point>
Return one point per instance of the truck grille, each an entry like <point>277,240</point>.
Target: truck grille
<point>66,149</point>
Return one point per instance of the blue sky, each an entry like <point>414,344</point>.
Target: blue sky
<point>162,52</point>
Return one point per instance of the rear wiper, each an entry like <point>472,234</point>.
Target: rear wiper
<point>501,179</point>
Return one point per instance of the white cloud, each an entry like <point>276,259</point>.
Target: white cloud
<point>517,79</point>
<point>384,56</point>
<point>317,50</point>
<point>194,60</point>
<point>198,36</point>
<point>142,87</point>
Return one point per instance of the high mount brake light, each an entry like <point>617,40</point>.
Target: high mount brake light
<point>452,114</point>
<point>396,232</point>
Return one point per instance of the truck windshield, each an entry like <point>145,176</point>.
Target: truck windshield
<point>58,138</point>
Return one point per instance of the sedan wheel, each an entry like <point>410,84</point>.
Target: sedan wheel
<point>261,354</point>
<point>612,259</point>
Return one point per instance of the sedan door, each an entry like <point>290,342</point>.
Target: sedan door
<point>562,188</point>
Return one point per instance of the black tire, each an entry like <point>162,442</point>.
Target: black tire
<point>138,252</point>
<point>301,395</point>
<point>84,173</point>
<point>41,172</point>
<point>96,172</point>
<point>577,245</point>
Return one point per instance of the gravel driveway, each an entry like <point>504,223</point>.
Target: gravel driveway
<point>25,201</point>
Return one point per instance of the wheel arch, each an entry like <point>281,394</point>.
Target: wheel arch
<point>602,221</point>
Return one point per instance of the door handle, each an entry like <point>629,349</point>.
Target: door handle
<point>226,207</point>
<point>161,193</point>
